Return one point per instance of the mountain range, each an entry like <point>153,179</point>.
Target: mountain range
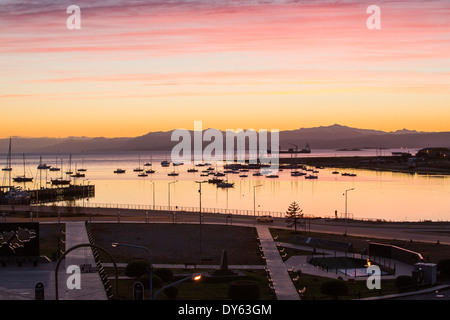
<point>323,137</point>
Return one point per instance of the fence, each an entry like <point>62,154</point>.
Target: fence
<point>244,212</point>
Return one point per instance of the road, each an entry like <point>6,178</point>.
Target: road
<point>430,232</point>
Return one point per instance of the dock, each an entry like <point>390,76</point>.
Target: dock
<point>48,195</point>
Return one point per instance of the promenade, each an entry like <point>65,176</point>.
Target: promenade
<point>17,283</point>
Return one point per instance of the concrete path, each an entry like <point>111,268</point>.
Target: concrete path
<point>91,284</point>
<point>284,287</point>
<point>301,263</point>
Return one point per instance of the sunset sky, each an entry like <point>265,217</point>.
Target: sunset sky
<point>140,66</point>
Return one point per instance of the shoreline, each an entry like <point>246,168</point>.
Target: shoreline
<point>377,163</point>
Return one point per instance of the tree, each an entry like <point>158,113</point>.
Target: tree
<point>294,216</point>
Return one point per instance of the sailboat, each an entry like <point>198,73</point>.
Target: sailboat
<point>54,169</point>
<point>149,164</point>
<point>70,166</point>
<point>60,181</point>
<point>23,178</point>
<point>139,169</point>
<point>42,166</point>
<point>8,159</point>
<point>83,169</point>
<point>77,174</point>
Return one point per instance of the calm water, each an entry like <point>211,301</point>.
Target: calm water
<point>376,195</point>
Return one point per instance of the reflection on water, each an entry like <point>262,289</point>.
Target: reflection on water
<point>376,195</point>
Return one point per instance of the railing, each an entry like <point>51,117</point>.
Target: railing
<point>144,207</point>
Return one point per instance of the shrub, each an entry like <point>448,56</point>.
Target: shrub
<point>403,282</point>
<point>244,290</point>
<point>136,268</point>
<point>156,282</point>
<point>334,288</point>
<point>443,266</point>
<point>171,292</point>
<point>164,273</point>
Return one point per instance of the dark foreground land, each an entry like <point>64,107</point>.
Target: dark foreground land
<point>180,243</point>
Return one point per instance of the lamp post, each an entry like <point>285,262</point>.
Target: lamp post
<point>153,182</point>
<point>200,212</point>
<point>254,201</point>
<point>168,190</point>
<point>117,244</point>
<point>192,277</point>
<point>346,214</point>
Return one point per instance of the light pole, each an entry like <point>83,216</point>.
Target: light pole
<point>168,189</point>
<point>200,212</point>
<point>192,277</point>
<point>254,201</point>
<point>153,182</point>
<point>346,214</point>
<point>117,244</point>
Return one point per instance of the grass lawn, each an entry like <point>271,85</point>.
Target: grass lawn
<point>178,244</point>
<point>431,252</point>
<point>204,289</point>
<point>357,289</point>
<point>48,238</point>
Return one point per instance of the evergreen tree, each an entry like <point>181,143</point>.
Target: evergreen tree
<point>294,216</point>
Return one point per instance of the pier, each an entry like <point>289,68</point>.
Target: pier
<point>46,195</point>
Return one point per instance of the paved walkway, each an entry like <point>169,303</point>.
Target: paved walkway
<point>91,284</point>
<point>284,287</point>
<point>301,263</point>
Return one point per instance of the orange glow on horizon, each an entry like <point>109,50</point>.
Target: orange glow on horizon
<point>134,69</point>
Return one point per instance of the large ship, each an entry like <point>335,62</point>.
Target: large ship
<point>307,149</point>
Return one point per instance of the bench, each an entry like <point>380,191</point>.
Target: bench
<point>302,292</point>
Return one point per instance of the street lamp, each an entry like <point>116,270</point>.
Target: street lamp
<point>254,201</point>
<point>195,277</point>
<point>117,244</point>
<point>346,214</point>
<point>168,187</point>
<point>200,212</point>
<point>153,182</point>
